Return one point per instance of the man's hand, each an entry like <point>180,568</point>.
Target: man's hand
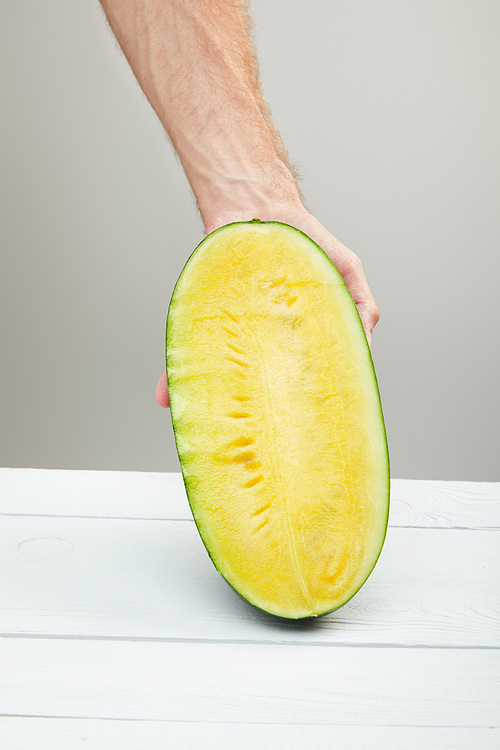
<point>199,70</point>
<point>345,261</point>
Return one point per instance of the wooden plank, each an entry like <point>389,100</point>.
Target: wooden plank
<point>101,734</point>
<point>114,494</point>
<point>248,683</point>
<point>437,504</point>
<point>128,494</point>
<point>148,579</point>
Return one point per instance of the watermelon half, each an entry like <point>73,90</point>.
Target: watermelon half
<point>277,419</point>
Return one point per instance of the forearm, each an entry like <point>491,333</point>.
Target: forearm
<point>197,67</point>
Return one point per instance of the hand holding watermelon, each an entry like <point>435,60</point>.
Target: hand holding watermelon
<point>346,262</point>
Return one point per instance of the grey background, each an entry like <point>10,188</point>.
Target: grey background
<point>390,111</point>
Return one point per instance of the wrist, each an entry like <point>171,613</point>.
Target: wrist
<point>240,195</point>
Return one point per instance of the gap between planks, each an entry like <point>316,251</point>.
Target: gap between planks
<point>240,641</point>
<point>62,717</point>
<point>191,520</point>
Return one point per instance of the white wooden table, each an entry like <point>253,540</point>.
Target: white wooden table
<point>118,632</point>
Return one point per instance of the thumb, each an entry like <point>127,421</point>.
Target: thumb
<point>162,392</point>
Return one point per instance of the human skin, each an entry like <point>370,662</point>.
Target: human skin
<point>196,63</point>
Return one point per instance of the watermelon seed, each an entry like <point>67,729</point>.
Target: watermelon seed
<point>234,348</point>
<point>253,482</point>
<point>264,507</point>
<point>238,362</point>
<point>241,442</point>
<point>228,331</point>
<point>261,525</point>
<point>279,282</point>
<point>230,315</point>
<point>244,457</point>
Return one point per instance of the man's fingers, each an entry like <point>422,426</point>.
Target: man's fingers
<point>369,314</point>
<point>350,268</point>
<point>162,392</point>
<point>352,272</point>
